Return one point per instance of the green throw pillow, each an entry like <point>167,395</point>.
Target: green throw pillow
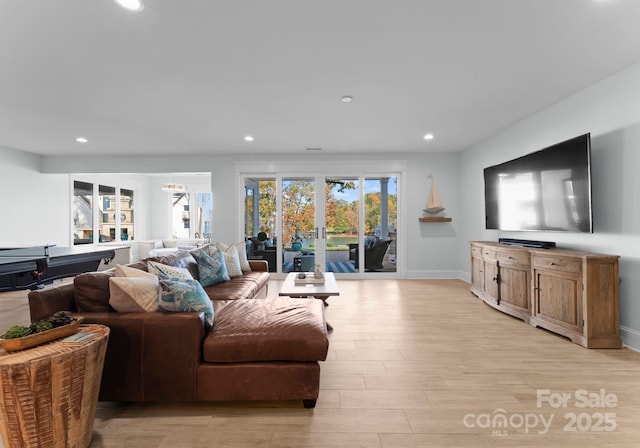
<point>176,296</point>
<point>212,268</point>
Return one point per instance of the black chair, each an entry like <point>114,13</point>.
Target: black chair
<point>269,255</point>
<point>253,246</point>
<point>374,251</point>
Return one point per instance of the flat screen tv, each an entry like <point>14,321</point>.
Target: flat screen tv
<point>548,190</point>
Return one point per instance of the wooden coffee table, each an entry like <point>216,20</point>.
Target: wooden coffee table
<point>323,291</point>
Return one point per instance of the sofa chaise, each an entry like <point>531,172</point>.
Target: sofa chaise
<point>258,349</point>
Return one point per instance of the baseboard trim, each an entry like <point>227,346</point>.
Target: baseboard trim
<point>630,338</point>
<point>435,275</point>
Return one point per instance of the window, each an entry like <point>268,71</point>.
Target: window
<point>82,210</point>
<point>112,220</point>
<point>191,215</point>
<point>126,214</point>
<point>260,206</point>
<point>107,214</point>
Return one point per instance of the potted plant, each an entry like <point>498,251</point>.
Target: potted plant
<point>296,241</point>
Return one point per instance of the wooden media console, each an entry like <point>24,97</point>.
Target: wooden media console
<point>574,294</point>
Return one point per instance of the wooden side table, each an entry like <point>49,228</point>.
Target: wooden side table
<point>48,394</point>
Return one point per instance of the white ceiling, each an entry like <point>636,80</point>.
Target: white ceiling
<point>196,76</point>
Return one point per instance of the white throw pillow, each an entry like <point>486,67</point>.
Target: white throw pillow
<point>232,260</point>
<point>133,290</point>
<point>242,254</point>
<point>127,271</point>
<point>133,294</point>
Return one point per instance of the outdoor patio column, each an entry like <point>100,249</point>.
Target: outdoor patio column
<point>256,208</point>
<point>384,208</point>
<point>253,185</point>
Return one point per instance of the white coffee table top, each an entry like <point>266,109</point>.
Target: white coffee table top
<point>329,288</point>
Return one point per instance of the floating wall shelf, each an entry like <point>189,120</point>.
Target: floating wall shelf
<point>434,219</point>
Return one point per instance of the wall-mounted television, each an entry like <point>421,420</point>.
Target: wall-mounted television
<point>547,190</point>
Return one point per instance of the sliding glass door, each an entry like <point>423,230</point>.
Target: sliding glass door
<point>299,229</point>
<point>341,230</point>
<point>380,242</point>
<point>260,219</point>
<point>341,224</point>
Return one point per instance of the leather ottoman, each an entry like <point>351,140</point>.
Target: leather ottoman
<point>271,351</point>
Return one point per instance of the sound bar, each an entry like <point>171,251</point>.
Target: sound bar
<point>528,243</point>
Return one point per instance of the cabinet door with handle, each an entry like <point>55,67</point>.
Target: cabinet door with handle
<point>558,298</point>
<point>477,275</point>
<point>491,291</point>
<point>515,281</point>
<point>514,287</point>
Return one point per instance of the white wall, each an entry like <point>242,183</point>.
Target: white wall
<point>431,248</point>
<point>34,206</point>
<point>610,111</point>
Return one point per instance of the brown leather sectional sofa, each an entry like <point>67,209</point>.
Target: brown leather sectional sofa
<point>258,348</point>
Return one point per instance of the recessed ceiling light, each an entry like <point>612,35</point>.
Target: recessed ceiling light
<point>313,149</point>
<point>346,99</point>
<point>248,138</point>
<point>428,137</point>
<point>131,5</point>
<point>82,140</point>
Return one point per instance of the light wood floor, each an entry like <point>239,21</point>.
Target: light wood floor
<point>412,363</point>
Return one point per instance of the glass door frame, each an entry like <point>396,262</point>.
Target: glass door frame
<point>318,210</point>
<point>321,170</point>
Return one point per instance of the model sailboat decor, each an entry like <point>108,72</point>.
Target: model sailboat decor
<point>434,204</point>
